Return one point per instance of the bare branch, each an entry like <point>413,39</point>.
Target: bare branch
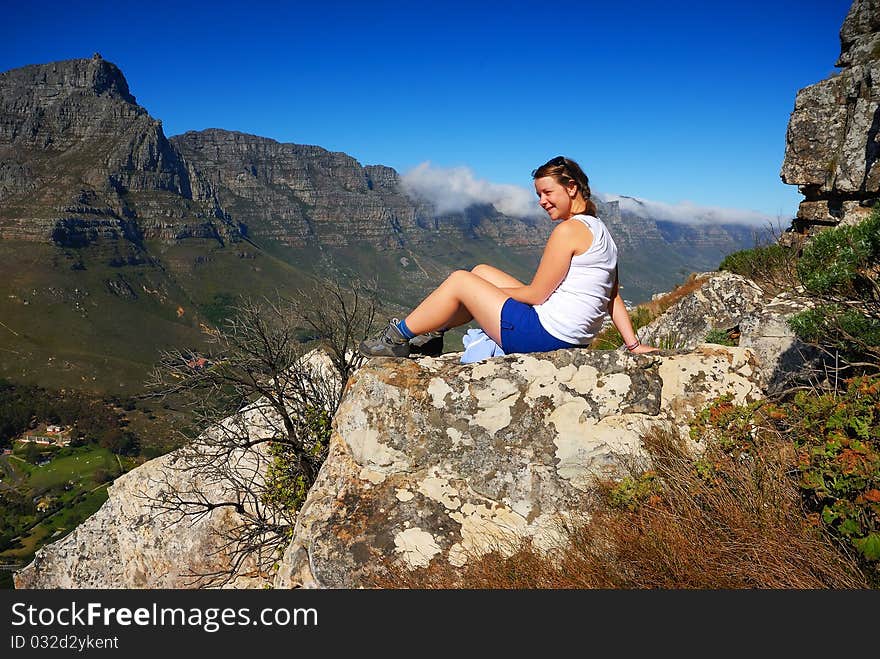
<point>259,403</point>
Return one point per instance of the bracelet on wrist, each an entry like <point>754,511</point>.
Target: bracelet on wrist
<point>635,344</point>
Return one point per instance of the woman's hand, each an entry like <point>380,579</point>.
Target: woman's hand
<point>642,348</point>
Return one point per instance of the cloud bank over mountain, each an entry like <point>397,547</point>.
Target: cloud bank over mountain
<point>686,212</point>
<point>454,189</point>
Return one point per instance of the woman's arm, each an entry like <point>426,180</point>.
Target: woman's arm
<point>567,238</point>
<point>620,318</point>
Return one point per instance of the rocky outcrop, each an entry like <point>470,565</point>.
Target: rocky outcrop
<point>432,460</point>
<point>832,143</point>
<point>731,304</point>
<point>136,541</point>
<point>720,303</point>
<point>784,361</point>
<point>860,34</point>
<point>429,458</point>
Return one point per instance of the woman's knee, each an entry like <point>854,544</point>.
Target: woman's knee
<point>481,269</point>
<point>459,276</point>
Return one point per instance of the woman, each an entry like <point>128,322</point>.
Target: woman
<point>565,304</point>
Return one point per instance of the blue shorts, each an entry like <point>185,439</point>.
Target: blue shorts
<point>521,330</point>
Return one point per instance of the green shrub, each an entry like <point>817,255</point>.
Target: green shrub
<point>836,327</point>
<point>633,491</point>
<point>731,427</point>
<point>719,336</point>
<point>286,484</point>
<point>770,266</point>
<point>842,262</point>
<point>840,268</point>
<point>835,455</point>
<point>838,459</point>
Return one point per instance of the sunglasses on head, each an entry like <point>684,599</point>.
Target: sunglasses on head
<point>558,160</point>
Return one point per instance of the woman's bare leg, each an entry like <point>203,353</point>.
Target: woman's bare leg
<point>494,276</point>
<point>461,317</point>
<point>480,299</point>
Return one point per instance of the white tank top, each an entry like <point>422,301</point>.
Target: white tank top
<point>575,311</point>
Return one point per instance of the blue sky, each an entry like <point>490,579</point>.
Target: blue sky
<point>667,101</point>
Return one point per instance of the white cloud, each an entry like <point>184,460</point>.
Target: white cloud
<point>454,189</point>
<point>686,212</point>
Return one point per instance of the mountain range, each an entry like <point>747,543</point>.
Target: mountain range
<point>117,241</point>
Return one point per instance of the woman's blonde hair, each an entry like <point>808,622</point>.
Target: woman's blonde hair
<point>564,170</point>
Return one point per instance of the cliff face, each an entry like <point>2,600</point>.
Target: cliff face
<point>82,161</point>
<point>295,194</point>
<point>832,143</point>
<point>299,195</point>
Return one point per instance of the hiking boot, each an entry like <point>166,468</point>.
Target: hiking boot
<point>390,343</point>
<point>429,344</point>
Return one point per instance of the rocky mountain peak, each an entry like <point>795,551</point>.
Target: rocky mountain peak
<point>104,77</point>
<point>860,33</point>
<point>54,82</point>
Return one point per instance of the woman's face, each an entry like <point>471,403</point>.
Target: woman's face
<point>555,198</point>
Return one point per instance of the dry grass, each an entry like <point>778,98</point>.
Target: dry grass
<point>725,521</point>
<point>661,304</point>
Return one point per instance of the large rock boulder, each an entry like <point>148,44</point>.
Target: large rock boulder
<point>432,460</point>
<point>783,359</point>
<point>832,143</point>
<point>429,458</point>
<point>736,305</point>
<point>720,303</point>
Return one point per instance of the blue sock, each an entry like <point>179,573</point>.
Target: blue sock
<point>407,334</point>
